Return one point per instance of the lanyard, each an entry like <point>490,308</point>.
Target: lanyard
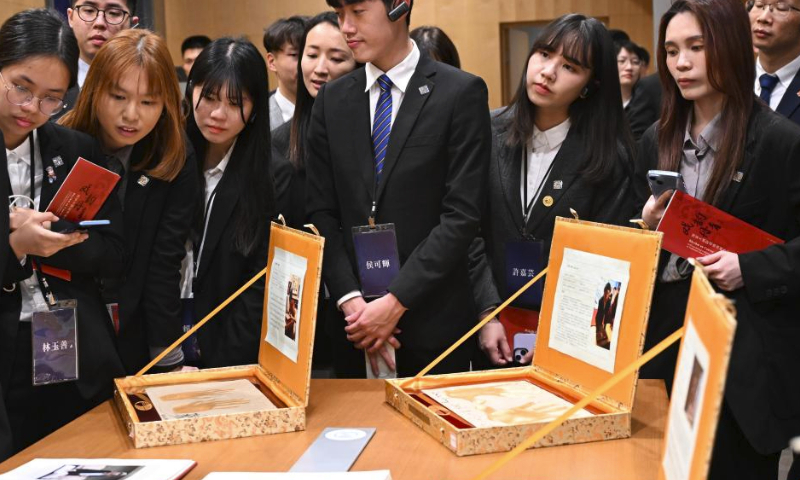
<point>206,215</point>
<point>374,211</point>
<point>44,285</point>
<point>529,204</point>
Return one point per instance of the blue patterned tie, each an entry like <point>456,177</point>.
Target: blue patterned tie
<point>767,83</point>
<point>382,125</point>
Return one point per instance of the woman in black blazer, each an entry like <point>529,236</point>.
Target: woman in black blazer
<point>711,115</point>
<point>228,126</point>
<point>131,102</point>
<point>566,123</point>
<point>38,63</point>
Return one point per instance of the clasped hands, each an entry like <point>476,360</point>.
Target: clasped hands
<point>370,326</point>
<point>721,267</point>
<point>31,235</point>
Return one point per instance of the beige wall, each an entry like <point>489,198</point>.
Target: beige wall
<point>474,25</point>
<point>10,7</point>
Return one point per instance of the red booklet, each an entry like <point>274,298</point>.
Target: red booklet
<point>693,228</point>
<point>83,192</point>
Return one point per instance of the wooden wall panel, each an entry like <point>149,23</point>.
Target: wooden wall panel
<point>10,7</point>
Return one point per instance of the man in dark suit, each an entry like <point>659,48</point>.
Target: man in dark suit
<point>645,107</point>
<point>406,140</point>
<point>776,36</point>
<point>95,22</point>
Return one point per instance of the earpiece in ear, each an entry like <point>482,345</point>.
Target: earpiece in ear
<point>585,92</point>
<point>401,9</point>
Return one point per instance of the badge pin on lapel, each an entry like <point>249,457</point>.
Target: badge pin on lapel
<point>424,90</point>
<point>547,201</point>
<point>51,174</point>
<point>57,161</point>
<point>738,176</point>
<point>143,181</point>
<point>558,184</point>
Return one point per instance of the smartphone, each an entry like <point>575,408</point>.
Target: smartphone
<point>661,181</point>
<point>65,226</point>
<point>524,342</point>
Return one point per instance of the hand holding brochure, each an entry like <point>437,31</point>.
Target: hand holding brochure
<point>83,192</point>
<point>693,228</point>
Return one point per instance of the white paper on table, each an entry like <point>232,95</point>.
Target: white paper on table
<point>206,399</point>
<point>374,475</point>
<point>286,278</point>
<point>496,404</point>
<point>581,286</point>
<point>151,469</point>
<point>685,408</point>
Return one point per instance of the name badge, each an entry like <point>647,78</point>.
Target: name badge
<point>55,344</point>
<point>190,346</point>
<point>524,260</point>
<point>377,257</point>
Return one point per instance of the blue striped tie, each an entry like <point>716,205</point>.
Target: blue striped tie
<point>382,125</point>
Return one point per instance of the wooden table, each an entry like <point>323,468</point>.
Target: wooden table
<point>398,445</point>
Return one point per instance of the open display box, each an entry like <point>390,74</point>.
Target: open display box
<point>281,379</point>
<point>582,254</point>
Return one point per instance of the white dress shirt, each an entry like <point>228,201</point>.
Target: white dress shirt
<point>539,154</point>
<point>83,69</point>
<point>400,75</point>
<point>286,106</point>
<point>212,176</point>
<point>785,76</point>
<point>19,174</point>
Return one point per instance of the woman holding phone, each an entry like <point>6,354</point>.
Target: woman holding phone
<point>131,102</point>
<point>50,273</point>
<point>738,155</point>
<point>561,145</point>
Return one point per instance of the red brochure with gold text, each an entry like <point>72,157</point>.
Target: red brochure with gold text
<point>83,192</point>
<point>693,228</point>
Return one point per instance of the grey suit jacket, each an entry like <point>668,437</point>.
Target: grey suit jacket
<point>275,115</point>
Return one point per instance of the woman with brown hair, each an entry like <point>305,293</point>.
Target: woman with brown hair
<point>130,101</point>
<point>739,156</point>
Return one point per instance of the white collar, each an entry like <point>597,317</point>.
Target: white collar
<point>284,103</point>
<point>83,69</point>
<point>23,150</point>
<point>785,74</point>
<point>552,138</point>
<point>223,164</point>
<point>400,74</point>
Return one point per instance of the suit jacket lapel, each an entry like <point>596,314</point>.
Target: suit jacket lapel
<point>508,169</point>
<point>790,101</point>
<point>729,196</point>
<point>225,202</point>
<point>413,101</point>
<point>362,135</point>
<point>135,197</point>
<point>50,147</point>
<point>568,161</point>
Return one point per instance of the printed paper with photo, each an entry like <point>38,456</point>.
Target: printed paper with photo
<point>286,278</point>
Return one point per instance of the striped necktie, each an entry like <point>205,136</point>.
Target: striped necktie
<point>382,125</point>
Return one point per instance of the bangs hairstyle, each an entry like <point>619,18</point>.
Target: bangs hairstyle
<point>164,146</point>
<point>237,66</point>
<point>598,117</point>
<point>731,70</point>
<point>39,32</point>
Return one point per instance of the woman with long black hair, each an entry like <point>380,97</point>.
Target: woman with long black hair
<point>228,125</point>
<point>738,155</point>
<point>562,144</point>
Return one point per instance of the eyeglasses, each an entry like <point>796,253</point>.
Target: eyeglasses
<point>21,96</point>
<point>113,16</point>
<point>635,62</point>
<point>777,8</point>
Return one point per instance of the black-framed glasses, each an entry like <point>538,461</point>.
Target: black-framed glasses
<point>21,96</point>
<point>778,8</point>
<point>113,16</point>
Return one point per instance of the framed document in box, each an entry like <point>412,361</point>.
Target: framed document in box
<point>592,324</point>
<point>699,382</point>
<point>232,402</point>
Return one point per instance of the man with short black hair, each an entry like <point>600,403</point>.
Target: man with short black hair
<point>190,49</point>
<point>282,40</point>
<point>776,36</point>
<point>399,148</point>
<point>95,22</point>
